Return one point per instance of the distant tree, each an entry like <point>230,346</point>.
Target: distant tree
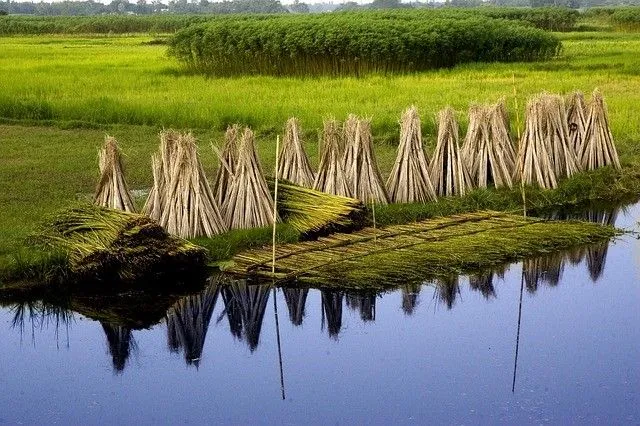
<point>3,12</point>
<point>349,5</point>
<point>387,4</point>
<point>299,7</point>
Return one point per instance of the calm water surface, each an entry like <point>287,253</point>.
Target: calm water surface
<point>436,352</point>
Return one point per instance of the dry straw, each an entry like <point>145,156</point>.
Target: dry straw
<point>361,169</point>
<point>228,158</point>
<point>556,135</point>
<point>331,176</point>
<point>599,149</point>
<point>447,169</point>
<point>409,181</point>
<point>533,165</point>
<point>249,203</point>
<point>161,165</point>
<point>112,190</point>
<point>189,208</point>
<point>576,112</point>
<point>293,163</point>
<point>488,151</point>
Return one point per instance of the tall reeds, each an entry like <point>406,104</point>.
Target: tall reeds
<point>599,149</point>
<point>112,190</point>
<point>189,207</point>
<point>293,163</point>
<point>249,203</point>
<point>361,169</point>
<point>409,181</point>
<point>447,169</point>
<point>331,176</point>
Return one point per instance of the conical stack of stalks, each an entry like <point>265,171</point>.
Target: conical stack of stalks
<point>293,163</point>
<point>576,120</point>
<point>487,150</point>
<point>331,176</point>
<point>361,169</point>
<point>502,142</point>
<point>249,203</point>
<point>598,149</point>
<point>189,208</point>
<point>349,144</point>
<point>409,181</point>
<point>447,169</point>
<point>112,190</point>
<point>161,165</point>
<point>562,156</point>
<point>228,159</point>
<point>533,165</point>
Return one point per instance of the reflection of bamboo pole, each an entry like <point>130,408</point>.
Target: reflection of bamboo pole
<point>275,310</point>
<point>515,363</point>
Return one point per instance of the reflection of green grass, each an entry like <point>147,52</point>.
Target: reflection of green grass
<point>61,94</point>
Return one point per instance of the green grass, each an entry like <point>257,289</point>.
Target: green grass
<point>119,80</point>
<point>61,95</point>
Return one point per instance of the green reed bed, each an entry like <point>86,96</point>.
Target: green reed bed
<point>354,44</point>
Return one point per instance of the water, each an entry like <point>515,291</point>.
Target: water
<point>429,353</point>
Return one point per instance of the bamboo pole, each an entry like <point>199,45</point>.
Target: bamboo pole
<point>275,212</point>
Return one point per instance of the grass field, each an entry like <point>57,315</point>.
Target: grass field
<point>61,95</point>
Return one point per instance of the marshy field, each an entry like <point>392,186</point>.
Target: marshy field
<point>389,175</point>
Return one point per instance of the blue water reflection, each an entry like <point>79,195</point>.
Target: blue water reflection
<point>441,351</point>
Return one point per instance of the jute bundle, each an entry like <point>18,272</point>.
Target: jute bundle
<point>228,159</point>
<point>331,176</point>
<point>409,181</point>
<point>112,190</point>
<point>249,203</point>
<point>189,207</point>
<point>361,169</point>
<point>501,138</point>
<point>293,163</point>
<point>533,165</point>
<point>599,149</point>
<point>161,165</point>
<point>447,169</point>
<point>562,156</point>
<point>487,150</point>
<point>349,145</point>
<point>576,111</point>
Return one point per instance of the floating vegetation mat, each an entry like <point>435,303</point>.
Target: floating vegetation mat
<point>375,258</point>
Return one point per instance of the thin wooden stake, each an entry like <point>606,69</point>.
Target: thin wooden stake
<point>275,211</point>
<point>522,191</point>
